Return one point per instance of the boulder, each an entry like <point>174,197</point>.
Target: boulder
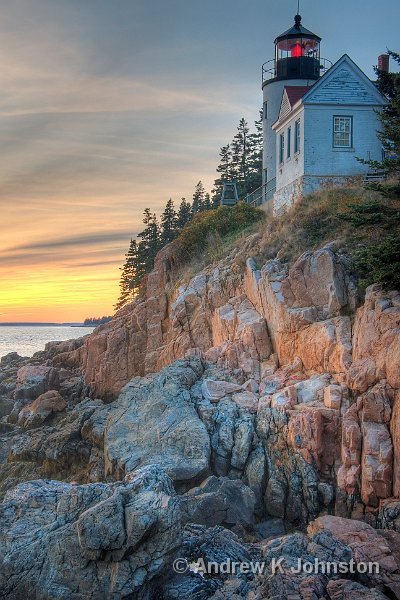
<point>55,536</point>
<point>366,543</point>
<point>215,390</point>
<point>44,406</point>
<point>154,421</point>
<point>376,352</point>
<point>34,380</point>
<point>246,400</point>
<point>343,589</point>
<point>220,501</point>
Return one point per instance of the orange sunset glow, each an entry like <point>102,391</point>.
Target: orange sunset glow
<point>109,108</point>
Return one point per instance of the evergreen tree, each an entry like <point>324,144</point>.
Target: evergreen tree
<point>207,205</point>
<point>226,173</point>
<point>150,240</point>
<point>128,276</point>
<point>198,198</point>
<point>168,223</point>
<point>241,153</point>
<point>389,85</point>
<point>184,214</point>
<point>255,158</point>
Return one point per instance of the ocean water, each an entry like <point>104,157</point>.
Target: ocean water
<point>26,340</point>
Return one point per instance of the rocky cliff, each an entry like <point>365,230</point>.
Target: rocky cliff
<point>208,418</point>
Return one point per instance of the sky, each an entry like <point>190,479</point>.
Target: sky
<point>109,107</point>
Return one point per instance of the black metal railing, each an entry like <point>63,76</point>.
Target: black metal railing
<point>270,69</point>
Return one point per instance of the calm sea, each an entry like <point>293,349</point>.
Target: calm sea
<point>26,340</point>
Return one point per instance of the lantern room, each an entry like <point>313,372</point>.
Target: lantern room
<point>297,53</point>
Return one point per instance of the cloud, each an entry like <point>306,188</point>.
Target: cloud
<point>91,239</point>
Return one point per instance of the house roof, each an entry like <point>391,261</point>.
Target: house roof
<point>295,92</point>
<point>297,31</point>
<point>370,89</point>
<point>343,84</point>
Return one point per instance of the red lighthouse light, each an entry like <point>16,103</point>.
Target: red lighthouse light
<point>297,51</point>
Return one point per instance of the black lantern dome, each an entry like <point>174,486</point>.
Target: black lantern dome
<point>297,53</point>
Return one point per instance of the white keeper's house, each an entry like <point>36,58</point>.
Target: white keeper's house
<point>318,119</point>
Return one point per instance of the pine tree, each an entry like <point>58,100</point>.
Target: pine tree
<point>198,198</point>
<point>150,240</point>
<point>207,205</point>
<point>390,119</point>
<point>389,84</point>
<point>184,214</point>
<point>241,152</point>
<point>226,173</point>
<point>168,223</point>
<point>256,154</point>
<point>127,289</point>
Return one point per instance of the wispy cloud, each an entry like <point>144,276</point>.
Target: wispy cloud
<point>78,241</point>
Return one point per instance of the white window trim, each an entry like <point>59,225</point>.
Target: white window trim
<point>297,126</point>
<point>340,146</point>
<point>281,148</point>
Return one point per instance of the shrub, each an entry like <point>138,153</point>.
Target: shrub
<point>380,263</point>
<point>366,223</point>
<point>196,235</point>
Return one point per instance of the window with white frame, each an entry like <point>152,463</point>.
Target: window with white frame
<point>289,142</point>
<point>297,136</point>
<point>342,132</point>
<point>281,147</point>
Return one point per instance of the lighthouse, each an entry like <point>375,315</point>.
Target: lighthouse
<point>297,63</point>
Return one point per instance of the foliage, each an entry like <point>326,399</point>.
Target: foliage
<point>389,85</point>
<point>193,239</point>
<point>184,214</point>
<point>241,161</point>
<point>371,213</point>
<point>380,263</point>
<point>378,223</point>
<point>363,222</point>
<point>199,198</point>
<point>150,241</point>
<point>169,223</point>
<point>96,321</point>
<point>131,274</point>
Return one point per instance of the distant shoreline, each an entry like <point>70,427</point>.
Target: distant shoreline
<point>45,325</point>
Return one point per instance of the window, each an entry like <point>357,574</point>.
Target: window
<point>265,110</point>
<point>342,132</point>
<point>289,142</point>
<point>281,148</point>
<point>297,136</point>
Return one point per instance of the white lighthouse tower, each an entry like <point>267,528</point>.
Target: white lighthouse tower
<point>297,62</point>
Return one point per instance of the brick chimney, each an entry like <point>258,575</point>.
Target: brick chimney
<point>383,62</point>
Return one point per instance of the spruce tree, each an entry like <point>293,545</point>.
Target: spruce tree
<point>207,205</point>
<point>241,152</point>
<point>226,173</point>
<point>198,198</point>
<point>150,240</point>
<point>168,223</point>
<point>184,214</point>
<point>255,157</point>
<point>126,283</point>
<point>389,85</point>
